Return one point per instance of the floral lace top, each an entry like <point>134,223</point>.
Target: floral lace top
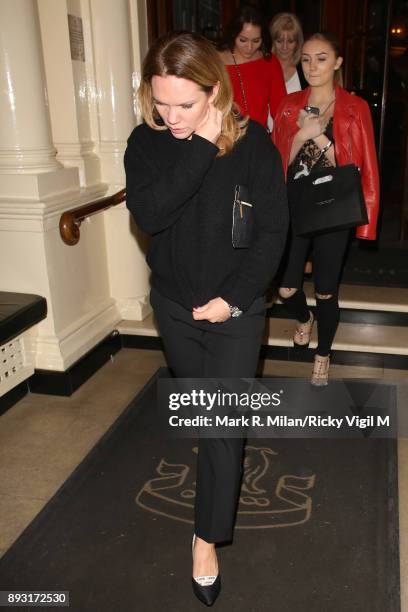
<point>309,158</point>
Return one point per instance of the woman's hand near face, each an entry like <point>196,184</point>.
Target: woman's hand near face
<point>210,127</point>
<point>311,126</point>
<point>215,311</point>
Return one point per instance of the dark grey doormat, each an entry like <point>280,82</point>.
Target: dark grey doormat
<point>117,534</point>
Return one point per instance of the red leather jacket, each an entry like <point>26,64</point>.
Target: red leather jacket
<point>353,140</point>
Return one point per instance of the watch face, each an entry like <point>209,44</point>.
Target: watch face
<point>234,311</point>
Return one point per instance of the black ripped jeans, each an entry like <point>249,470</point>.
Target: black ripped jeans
<point>328,254</point>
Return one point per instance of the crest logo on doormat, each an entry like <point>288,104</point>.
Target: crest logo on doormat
<point>266,500</point>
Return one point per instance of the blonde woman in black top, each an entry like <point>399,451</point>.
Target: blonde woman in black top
<point>182,167</point>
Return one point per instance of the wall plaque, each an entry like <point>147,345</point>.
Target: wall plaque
<point>76,38</point>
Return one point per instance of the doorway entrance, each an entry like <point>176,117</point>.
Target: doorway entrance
<point>374,38</point>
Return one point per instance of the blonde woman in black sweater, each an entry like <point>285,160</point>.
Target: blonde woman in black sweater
<point>182,168</point>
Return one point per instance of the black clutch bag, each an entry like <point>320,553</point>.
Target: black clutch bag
<point>242,218</point>
<point>327,200</point>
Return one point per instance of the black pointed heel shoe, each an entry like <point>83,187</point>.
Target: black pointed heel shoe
<point>206,588</point>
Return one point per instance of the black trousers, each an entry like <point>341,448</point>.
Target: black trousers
<point>200,349</point>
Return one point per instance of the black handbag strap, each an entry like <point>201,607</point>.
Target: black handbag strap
<point>350,148</point>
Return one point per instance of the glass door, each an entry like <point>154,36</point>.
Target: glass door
<point>395,148</point>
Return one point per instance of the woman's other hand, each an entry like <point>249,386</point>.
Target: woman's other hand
<point>210,127</point>
<point>215,311</point>
<point>311,126</point>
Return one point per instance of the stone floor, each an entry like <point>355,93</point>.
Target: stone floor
<point>43,438</point>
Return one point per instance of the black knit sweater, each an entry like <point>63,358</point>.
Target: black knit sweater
<point>182,195</point>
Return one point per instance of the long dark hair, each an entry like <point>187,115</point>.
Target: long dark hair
<point>247,14</point>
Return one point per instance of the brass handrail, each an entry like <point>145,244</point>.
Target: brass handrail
<point>71,220</point>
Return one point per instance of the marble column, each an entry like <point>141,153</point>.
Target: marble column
<point>34,191</point>
<point>67,46</point>
<point>26,147</point>
<point>114,67</point>
<point>25,142</point>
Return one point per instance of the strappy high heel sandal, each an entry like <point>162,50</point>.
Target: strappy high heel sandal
<point>206,588</point>
<point>303,332</point>
<point>320,376</point>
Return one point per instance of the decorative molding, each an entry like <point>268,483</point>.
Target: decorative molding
<point>65,383</point>
<point>135,309</point>
<point>76,149</point>
<point>40,187</point>
<point>111,154</point>
<point>59,352</point>
<point>23,160</point>
<point>17,214</point>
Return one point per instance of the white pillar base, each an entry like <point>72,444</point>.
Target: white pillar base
<point>58,352</point>
<point>73,280</point>
<point>128,271</point>
<point>38,187</point>
<point>81,156</point>
<point>111,155</point>
<point>134,309</point>
<point>20,161</point>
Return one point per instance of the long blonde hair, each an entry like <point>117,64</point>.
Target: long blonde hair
<point>287,22</point>
<point>191,56</point>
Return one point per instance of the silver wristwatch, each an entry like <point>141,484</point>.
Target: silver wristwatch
<point>234,311</point>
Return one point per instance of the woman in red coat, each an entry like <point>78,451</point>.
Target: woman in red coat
<point>338,132</point>
<point>256,75</point>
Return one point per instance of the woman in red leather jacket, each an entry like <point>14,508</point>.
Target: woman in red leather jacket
<point>337,131</point>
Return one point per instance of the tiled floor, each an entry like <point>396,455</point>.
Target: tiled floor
<point>43,438</point>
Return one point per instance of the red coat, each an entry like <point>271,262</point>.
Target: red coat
<point>353,139</point>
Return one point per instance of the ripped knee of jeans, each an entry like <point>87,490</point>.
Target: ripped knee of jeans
<point>286,292</point>
<point>324,296</point>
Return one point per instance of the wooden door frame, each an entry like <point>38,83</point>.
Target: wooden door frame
<point>159,18</point>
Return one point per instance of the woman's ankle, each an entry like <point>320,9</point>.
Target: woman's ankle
<point>203,543</point>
